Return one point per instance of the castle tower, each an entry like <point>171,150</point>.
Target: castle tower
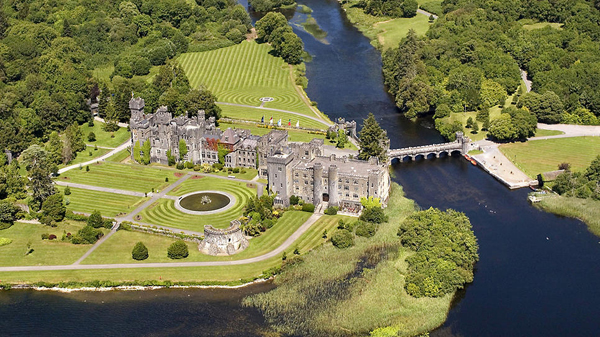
<point>317,183</point>
<point>136,105</point>
<point>333,186</point>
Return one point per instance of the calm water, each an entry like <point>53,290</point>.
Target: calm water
<point>538,274</point>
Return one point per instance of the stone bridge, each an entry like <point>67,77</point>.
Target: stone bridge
<point>461,145</point>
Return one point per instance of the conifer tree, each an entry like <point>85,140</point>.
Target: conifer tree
<point>372,140</point>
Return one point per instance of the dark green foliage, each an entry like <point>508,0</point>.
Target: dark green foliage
<point>365,229</point>
<point>262,205</point>
<point>469,123</point>
<point>140,252</point>
<point>91,137</point>
<point>178,250</point>
<point>374,215</point>
<point>308,208</point>
<point>332,210</point>
<point>8,214</point>
<point>54,208</point>
<point>547,107</point>
<point>393,8</point>
<point>95,220</point>
<point>580,184</point>
<point>273,28</point>
<point>294,200</point>
<point>342,238</point>
<point>446,252</point>
<point>87,235</point>
<point>269,5</point>
<point>373,140</point>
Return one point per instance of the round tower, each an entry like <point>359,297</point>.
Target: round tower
<point>333,186</point>
<point>317,183</point>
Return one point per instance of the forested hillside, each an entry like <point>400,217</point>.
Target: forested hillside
<point>470,60</point>
<point>50,49</point>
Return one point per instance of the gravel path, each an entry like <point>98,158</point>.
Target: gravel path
<point>95,160</point>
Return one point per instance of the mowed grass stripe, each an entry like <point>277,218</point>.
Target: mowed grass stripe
<point>121,176</point>
<point>109,204</point>
<point>244,73</point>
<point>164,213</point>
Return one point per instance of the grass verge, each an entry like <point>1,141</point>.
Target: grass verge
<point>109,204</point>
<point>103,138</point>
<point>538,156</point>
<point>586,210</point>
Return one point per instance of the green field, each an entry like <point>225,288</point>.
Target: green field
<point>103,138</point>
<point>385,32</point>
<point>119,156</point>
<point>45,252</point>
<point>164,213</point>
<point>538,156</point>
<point>109,204</point>
<point>84,156</point>
<point>121,176</point>
<point>244,73</point>
<point>243,113</point>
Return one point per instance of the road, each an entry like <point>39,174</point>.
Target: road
<point>420,11</point>
<point>276,252</point>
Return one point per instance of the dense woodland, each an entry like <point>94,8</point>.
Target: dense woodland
<point>470,58</point>
<point>48,50</point>
<point>392,8</point>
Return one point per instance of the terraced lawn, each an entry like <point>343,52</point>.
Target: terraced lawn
<point>539,156</point>
<point>251,114</point>
<point>109,204</point>
<point>293,136</point>
<point>45,252</point>
<point>164,213</point>
<point>122,176</point>
<point>119,156</point>
<point>84,155</point>
<point>244,73</point>
<point>314,236</point>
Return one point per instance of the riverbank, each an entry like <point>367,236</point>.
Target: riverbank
<point>586,210</point>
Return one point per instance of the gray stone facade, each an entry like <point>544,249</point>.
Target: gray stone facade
<point>223,241</point>
<point>298,169</point>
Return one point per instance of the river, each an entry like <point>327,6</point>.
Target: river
<point>538,274</point>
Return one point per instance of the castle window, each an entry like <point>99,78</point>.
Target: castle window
<point>355,182</point>
<point>306,182</point>
<point>346,187</point>
<point>296,174</point>
<point>276,175</point>
<point>355,195</point>
<point>279,169</point>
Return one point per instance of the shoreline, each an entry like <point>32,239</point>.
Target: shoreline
<point>25,286</point>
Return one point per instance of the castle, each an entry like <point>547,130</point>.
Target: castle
<point>300,169</point>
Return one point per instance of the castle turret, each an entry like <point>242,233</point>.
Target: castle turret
<point>317,183</point>
<point>136,105</point>
<point>333,186</point>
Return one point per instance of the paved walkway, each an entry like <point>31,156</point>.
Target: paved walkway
<point>276,252</point>
<point>100,189</point>
<point>98,159</point>
<point>96,245</point>
<point>278,110</point>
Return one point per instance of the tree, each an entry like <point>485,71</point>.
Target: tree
<point>140,252</point>
<point>291,48</point>
<point>74,137</point>
<point>87,234</point>
<point>548,107</point>
<point>373,140</point>
<point>182,149</point>
<point>95,220</point>
<point>14,182</point>
<point>475,127</point>
<point>54,208</point>
<point>178,250</point>
<point>170,158</point>
<point>268,23</point>
<point>342,139</point>
<point>67,31</point>
<point>502,128</point>
<point>342,238</point>
<point>55,148</point>
<point>469,123</point>
<point>91,137</point>
<point>374,215</point>
<point>8,214</point>
<point>36,157</point>
<point>202,99</point>
<point>40,185</point>
<point>146,148</point>
<point>67,191</point>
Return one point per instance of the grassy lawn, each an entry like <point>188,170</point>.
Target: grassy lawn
<point>164,213</point>
<point>540,25</point>
<point>109,204</point>
<point>313,238</point>
<point>120,156</point>
<point>45,252</point>
<point>117,249</point>
<point>384,32</point>
<point>251,114</point>
<point>393,31</point>
<point>587,210</point>
<point>249,175</point>
<point>546,133</point>
<point>538,156</point>
<point>431,6</point>
<point>103,138</point>
<point>103,74</point>
<point>84,155</point>
<point>121,176</point>
<point>244,73</point>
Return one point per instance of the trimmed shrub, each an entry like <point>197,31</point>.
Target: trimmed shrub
<point>365,229</point>
<point>308,208</point>
<point>91,137</point>
<point>180,166</point>
<point>217,166</point>
<point>342,238</point>
<point>45,236</point>
<point>294,200</point>
<point>51,237</point>
<point>236,170</point>
<point>331,210</point>
<point>67,191</point>
<point>268,223</point>
<point>178,250</point>
<point>374,215</point>
<point>140,252</point>
<point>95,220</point>
<point>5,241</point>
<point>189,165</point>
<point>87,234</point>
